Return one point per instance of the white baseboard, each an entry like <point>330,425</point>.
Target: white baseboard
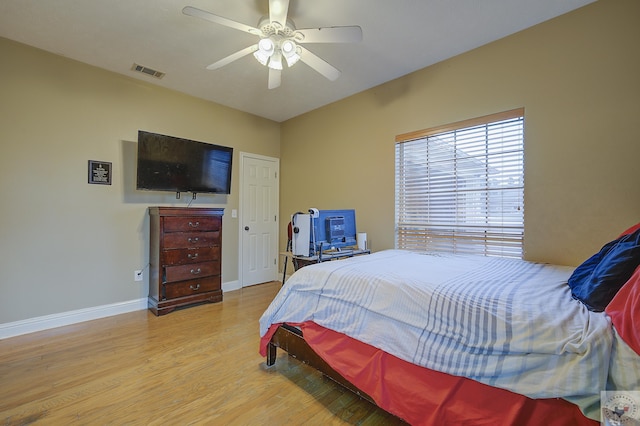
<point>46,322</point>
<point>230,286</point>
<point>31,325</point>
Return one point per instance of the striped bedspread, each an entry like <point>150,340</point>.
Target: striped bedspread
<point>506,323</point>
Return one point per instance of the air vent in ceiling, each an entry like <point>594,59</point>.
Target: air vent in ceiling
<point>148,71</point>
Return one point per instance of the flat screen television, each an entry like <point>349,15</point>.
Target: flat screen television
<point>333,229</point>
<point>169,163</point>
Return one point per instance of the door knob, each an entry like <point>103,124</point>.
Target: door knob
<point>246,228</point>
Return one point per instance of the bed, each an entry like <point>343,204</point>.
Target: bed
<point>459,339</point>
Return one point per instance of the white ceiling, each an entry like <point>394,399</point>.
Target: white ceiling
<point>400,36</point>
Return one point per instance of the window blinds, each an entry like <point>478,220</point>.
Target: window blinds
<point>462,190</point>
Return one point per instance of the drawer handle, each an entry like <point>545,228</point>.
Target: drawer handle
<point>196,271</point>
<point>194,287</point>
<point>194,225</point>
<point>193,240</point>
<point>192,256</point>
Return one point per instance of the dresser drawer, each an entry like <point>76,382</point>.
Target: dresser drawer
<point>191,287</point>
<point>191,271</point>
<point>191,239</point>
<point>190,255</point>
<point>188,224</point>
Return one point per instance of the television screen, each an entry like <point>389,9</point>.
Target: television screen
<point>334,229</point>
<point>168,163</point>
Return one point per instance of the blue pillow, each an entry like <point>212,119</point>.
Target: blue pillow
<point>599,278</point>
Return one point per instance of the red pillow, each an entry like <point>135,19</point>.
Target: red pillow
<point>624,310</point>
<point>634,228</point>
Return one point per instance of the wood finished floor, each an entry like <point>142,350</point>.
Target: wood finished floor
<point>197,366</point>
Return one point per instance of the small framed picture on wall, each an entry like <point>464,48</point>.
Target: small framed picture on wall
<point>100,172</point>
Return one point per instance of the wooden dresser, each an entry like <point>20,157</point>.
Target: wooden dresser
<point>184,257</point>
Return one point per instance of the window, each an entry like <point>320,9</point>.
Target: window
<point>460,188</point>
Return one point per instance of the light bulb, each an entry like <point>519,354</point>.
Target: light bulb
<point>288,47</point>
<point>266,46</point>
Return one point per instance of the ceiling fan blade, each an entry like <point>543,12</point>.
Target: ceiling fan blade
<point>234,56</point>
<point>319,64</point>
<point>350,34</point>
<point>274,78</point>
<point>208,16</point>
<point>278,10</point>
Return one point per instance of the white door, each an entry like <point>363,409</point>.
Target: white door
<point>259,219</point>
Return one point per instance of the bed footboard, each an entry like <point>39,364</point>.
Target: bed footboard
<point>291,340</point>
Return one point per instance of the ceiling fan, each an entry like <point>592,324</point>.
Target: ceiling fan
<point>281,40</point>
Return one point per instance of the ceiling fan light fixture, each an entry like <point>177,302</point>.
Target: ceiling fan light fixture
<point>290,52</point>
<point>291,60</point>
<point>276,61</point>
<point>265,50</point>
<point>261,57</point>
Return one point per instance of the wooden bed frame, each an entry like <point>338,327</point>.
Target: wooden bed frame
<point>291,340</point>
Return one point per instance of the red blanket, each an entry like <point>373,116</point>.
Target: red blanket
<point>425,397</point>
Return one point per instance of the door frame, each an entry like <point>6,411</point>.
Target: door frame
<point>243,156</point>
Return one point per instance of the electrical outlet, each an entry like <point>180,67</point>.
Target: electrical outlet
<point>137,275</point>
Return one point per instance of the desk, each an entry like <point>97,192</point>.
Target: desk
<point>302,261</point>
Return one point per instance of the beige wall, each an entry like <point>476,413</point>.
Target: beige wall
<point>577,77</point>
<point>65,244</point>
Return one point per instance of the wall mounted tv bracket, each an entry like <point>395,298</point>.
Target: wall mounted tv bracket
<point>193,195</point>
